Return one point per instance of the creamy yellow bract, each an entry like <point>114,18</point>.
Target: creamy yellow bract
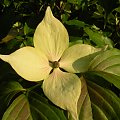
<point>51,52</point>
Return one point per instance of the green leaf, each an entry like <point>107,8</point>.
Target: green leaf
<point>98,113</point>
<point>7,19</point>
<point>75,40</point>
<point>7,3</point>
<point>84,103</point>
<point>111,3</point>
<point>109,77</point>
<point>11,35</point>
<point>32,107</point>
<point>64,17</point>
<point>74,1</point>
<point>27,42</point>
<point>117,9</point>
<point>19,109</point>
<point>105,104</point>
<point>10,87</point>
<point>8,91</point>
<point>107,65</point>
<point>42,109</point>
<point>75,23</point>
<point>98,38</point>
<point>27,29</point>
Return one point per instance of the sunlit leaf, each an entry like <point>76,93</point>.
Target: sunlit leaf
<point>104,102</point>
<point>34,107</point>
<point>98,38</point>
<point>19,109</point>
<point>107,65</point>
<point>84,103</point>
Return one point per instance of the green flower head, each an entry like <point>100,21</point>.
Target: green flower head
<point>44,61</point>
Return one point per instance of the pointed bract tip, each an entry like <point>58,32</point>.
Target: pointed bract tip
<point>48,12</point>
<point>48,8</point>
<point>4,58</point>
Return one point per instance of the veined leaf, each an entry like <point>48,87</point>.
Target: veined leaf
<point>105,102</point>
<point>35,107</point>
<point>98,38</point>
<point>41,109</point>
<point>18,110</point>
<point>84,103</point>
<point>98,113</point>
<point>114,79</point>
<point>11,86</point>
<point>107,65</point>
<point>7,92</point>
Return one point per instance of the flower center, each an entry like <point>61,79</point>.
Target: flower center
<point>54,64</point>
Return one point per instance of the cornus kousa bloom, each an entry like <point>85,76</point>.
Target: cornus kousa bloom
<point>52,60</point>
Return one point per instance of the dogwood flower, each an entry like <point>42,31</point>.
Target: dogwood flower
<point>52,60</point>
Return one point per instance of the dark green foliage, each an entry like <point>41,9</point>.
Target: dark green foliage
<point>94,22</point>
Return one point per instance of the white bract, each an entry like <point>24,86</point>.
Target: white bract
<point>44,61</point>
